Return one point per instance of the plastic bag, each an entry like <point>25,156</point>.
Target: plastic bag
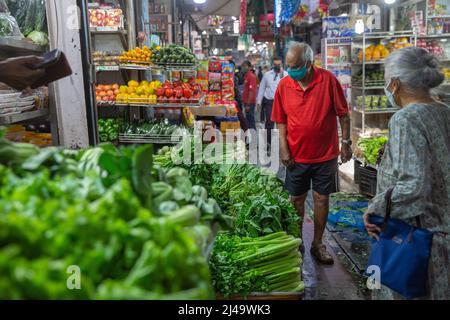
<point>9,27</point>
<point>30,15</point>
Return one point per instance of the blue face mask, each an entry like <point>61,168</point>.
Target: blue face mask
<point>297,74</point>
<point>390,96</point>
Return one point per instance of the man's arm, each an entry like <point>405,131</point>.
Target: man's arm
<point>18,73</point>
<point>285,153</point>
<point>346,150</point>
<point>262,90</point>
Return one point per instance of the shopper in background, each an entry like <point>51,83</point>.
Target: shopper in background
<point>416,160</point>
<point>260,74</point>
<point>249,94</point>
<point>19,73</point>
<point>238,99</point>
<point>266,94</point>
<point>305,108</point>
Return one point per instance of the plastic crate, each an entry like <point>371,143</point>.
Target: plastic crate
<point>356,174</point>
<point>367,181</point>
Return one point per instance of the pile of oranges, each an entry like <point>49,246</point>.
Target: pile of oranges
<point>139,55</point>
<point>106,92</point>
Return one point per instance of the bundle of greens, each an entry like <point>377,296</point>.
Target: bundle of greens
<point>109,129</point>
<point>265,264</point>
<point>371,148</point>
<point>94,211</point>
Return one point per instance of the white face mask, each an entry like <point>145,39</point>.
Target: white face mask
<point>390,96</point>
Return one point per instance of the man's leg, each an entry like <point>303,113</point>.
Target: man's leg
<point>299,205</point>
<point>269,124</point>
<point>324,184</point>
<point>321,208</point>
<point>250,114</point>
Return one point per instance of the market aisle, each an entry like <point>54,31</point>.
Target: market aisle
<point>327,282</point>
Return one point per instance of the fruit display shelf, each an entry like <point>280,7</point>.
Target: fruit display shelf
<point>150,138</point>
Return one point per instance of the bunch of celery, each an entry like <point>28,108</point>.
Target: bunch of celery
<point>264,264</point>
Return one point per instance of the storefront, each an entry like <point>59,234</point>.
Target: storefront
<point>133,166</point>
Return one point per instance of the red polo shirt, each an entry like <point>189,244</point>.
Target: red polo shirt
<point>249,84</point>
<point>310,115</point>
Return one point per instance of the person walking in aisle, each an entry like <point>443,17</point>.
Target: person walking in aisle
<point>416,161</point>
<point>249,95</point>
<point>266,93</point>
<point>306,106</point>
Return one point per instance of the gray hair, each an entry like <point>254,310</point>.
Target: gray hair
<point>415,67</point>
<point>308,53</point>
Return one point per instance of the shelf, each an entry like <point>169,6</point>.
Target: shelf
<point>385,35</point>
<point>444,35</point>
<point>340,64</point>
<point>108,30</point>
<point>339,44</point>
<point>25,116</point>
<point>150,139</point>
<point>380,111</point>
<point>439,17</point>
<point>369,62</point>
<point>367,88</point>
<point>146,105</point>
<point>23,46</point>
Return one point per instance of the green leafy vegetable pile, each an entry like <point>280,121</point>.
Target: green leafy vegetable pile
<point>264,264</point>
<point>371,148</point>
<point>95,209</point>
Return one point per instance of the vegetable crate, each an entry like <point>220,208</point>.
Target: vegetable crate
<point>367,181</point>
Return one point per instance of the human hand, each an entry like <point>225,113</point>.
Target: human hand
<point>247,108</point>
<point>286,158</point>
<point>372,229</point>
<point>19,72</point>
<point>346,153</point>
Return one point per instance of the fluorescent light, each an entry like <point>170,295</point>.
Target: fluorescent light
<point>219,31</point>
<point>236,27</point>
<point>389,1</point>
<point>199,1</point>
<point>233,18</point>
<point>204,33</point>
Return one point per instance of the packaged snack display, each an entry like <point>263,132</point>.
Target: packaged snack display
<point>215,66</point>
<point>202,75</point>
<point>215,81</point>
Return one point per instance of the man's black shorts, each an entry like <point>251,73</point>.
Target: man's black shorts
<point>322,175</point>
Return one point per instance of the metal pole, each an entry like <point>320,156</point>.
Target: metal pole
<point>131,26</point>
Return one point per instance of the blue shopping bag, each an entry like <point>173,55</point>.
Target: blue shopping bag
<point>402,254</point>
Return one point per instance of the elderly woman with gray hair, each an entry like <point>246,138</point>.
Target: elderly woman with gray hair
<point>416,162</point>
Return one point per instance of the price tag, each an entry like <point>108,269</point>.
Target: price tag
<point>107,68</point>
<point>107,29</point>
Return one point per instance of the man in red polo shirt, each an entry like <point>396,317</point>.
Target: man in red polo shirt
<point>306,107</point>
<point>249,94</point>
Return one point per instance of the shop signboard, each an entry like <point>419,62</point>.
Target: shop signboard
<point>266,28</point>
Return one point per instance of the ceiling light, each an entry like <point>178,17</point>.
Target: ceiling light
<point>219,31</point>
<point>233,18</point>
<point>204,33</point>
<point>199,1</point>
<point>389,1</point>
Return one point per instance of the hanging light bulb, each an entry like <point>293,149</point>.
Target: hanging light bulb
<point>199,1</point>
<point>389,1</point>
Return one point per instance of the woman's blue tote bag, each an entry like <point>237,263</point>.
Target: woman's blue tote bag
<point>402,254</point>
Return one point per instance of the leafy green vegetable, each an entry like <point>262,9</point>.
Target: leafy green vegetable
<point>371,148</point>
<point>265,264</point>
